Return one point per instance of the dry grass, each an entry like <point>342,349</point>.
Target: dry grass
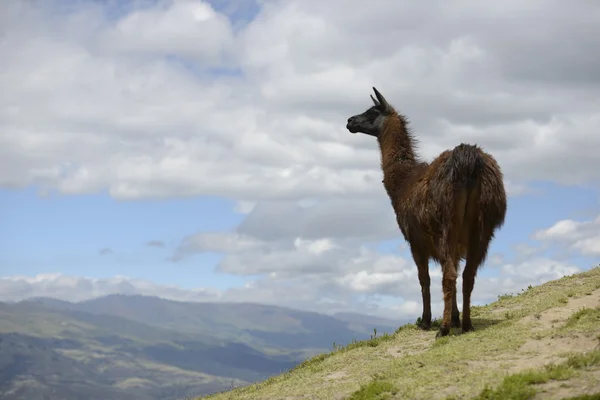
<point>524,346</point>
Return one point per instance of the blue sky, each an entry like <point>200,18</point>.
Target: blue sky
<point>129,148</point>
<point>66,233</point>
<point>45,234</point>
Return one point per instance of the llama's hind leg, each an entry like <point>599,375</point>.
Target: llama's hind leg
<point>449,268</point>
<point>475,257</point>
<point>468,283</point>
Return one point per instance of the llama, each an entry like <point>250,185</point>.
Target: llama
<point>447,210</point>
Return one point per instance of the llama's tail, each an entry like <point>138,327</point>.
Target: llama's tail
<point>472,195</point>
<point>461,192</point>
<point>465,166</point>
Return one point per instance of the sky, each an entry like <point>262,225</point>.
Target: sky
<point>197,150</point>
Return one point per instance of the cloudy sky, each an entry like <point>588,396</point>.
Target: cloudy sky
<point>197,150</point>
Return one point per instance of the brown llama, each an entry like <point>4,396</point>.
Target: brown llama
<point>447,210</point>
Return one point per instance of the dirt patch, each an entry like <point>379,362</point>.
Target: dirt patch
<point>450,391</point>
<point>336,375</point>
<point>414,347</point>
<point>503,310</point>
<point>588,382</point>
<point>536,353</point>
<point>556,316</point>
<point>573,342</point>
<point>331,379</point>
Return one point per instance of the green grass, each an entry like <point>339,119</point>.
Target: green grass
<point>521,386</point>
<point>579,361</point>
<point>374,341</point>
<point>595,396</point>
<point>412,364</point>
<point>377,389</point>
<point>585,320</point>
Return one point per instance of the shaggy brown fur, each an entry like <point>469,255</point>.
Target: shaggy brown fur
<point>447,210</point>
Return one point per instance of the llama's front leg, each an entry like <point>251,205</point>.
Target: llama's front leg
<point>448,287</point>
<point>425,281</point>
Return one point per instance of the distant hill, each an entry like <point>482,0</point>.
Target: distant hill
<point>142,347</point>
<point>255,324</point>
<point>32,366</point>
<point>543,343</point>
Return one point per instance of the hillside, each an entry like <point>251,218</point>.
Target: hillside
<point>540,344</point>
<point>139,347</point>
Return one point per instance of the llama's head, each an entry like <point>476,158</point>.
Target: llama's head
<point>372,121</point>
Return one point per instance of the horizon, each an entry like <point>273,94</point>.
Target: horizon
<point>332,314</point>
<point>197,150</point>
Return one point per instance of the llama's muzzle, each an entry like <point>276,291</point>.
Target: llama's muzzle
<point>351,126</point>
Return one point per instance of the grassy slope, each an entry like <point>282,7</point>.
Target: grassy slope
<point>542,343</point>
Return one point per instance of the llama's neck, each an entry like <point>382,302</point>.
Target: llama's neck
<point>396,144</point>
<point>399,163</point>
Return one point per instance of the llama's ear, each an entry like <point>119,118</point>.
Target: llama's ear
<point>382,101</point>
<point>374,101</point>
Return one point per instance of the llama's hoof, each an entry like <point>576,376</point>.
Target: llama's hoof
<point>468,327</point>
<point>444,331</point>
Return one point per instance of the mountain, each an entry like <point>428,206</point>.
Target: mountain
<point>142,347</point>
<point>255,324</point>
<point>31,367</point>
<point>542,343</point>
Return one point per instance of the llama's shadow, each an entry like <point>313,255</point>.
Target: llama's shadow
<point>479,324</point>
<point>484,323</point>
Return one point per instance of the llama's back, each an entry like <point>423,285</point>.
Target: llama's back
<point>465,182</point>
<point>464,194</point>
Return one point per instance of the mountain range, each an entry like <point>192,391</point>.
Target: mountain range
<point>142,347</point>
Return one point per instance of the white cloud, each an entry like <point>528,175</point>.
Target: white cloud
<point>583,237</point>
<point>372,282</point>
<point>370,275</point>
<point>514,277</point>
<point>316,247</point>
<point>337,273</point>
<point>496,259</point>
<point>219,242</point>
<point>132,106</point>
<point>78,288</point>
<point>184,28</point>
<point>369,219</point>
<point>540,269</point>
<point>129,105</point>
